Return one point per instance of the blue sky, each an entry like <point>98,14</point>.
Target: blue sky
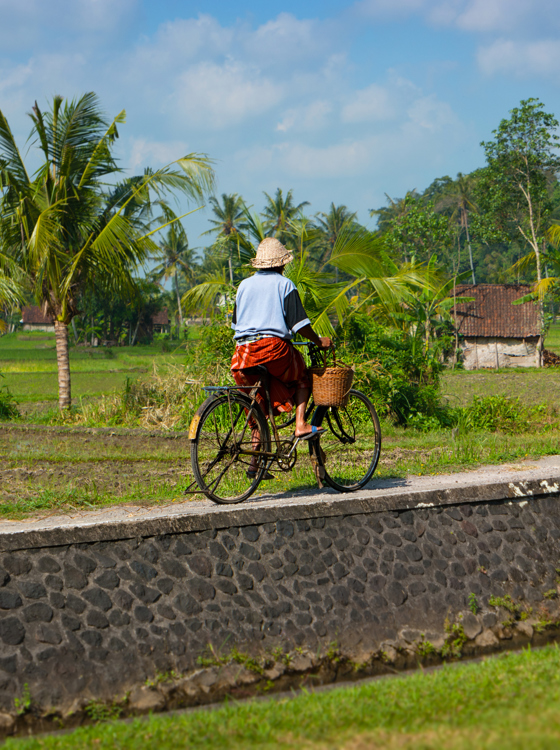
<point>340,101</point>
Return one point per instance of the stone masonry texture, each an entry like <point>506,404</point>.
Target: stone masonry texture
<point>94,619</point>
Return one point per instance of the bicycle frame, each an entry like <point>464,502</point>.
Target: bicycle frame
<point>263,383</point>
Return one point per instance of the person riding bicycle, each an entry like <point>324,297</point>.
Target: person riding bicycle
<point>267,312</point>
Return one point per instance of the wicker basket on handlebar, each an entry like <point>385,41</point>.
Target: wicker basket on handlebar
<point>331,385</point>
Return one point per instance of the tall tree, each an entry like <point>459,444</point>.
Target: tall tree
<point>515,189</point>
<point>277,214</point>
<point>63,227</point>
<point>227,222</point>
<point>418,232</point>
<point>395,210</point>
<point>175,258</point>
<point>330,225</point>
<point>458,194</point>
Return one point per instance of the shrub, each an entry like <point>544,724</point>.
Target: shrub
<point>495,413</point>
<point>216,341</point>
<point>395,372</point>
<point>8,404</point>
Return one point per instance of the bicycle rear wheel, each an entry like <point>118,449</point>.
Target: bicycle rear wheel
<point>220,431</point>
<point>352,443</point>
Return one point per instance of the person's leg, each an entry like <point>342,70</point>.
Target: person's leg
<point>255,445</point>
<point>301,398</point>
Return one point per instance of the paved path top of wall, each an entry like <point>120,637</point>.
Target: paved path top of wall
<point>528,478</point>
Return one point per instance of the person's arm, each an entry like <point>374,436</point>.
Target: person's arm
<point>323,342</point>
<point>297,320</point>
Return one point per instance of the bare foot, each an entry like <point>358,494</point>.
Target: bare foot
<point>309,430</point>
<point>305,430</point>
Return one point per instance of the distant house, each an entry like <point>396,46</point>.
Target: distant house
<point>493,331</point>
<point>161,322</point>
<point>33,319</point>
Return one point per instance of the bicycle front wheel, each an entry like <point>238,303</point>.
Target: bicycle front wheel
<point>224,428</point>
<point>351,446</point>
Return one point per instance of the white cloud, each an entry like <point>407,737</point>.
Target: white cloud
<point>178,43</point>
<point>480,16</point>
<point>24,22</point>
<point>426,130</point>
<point>521,58</point>
<point>286,39</point>
<point>495,15</point>
<point>219,96</point>
<point>429,113</point>
<point>155,153</point>
<point>369,105</point>
<point>314,116</point>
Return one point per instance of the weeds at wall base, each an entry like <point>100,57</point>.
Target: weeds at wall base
<point>296,669</point>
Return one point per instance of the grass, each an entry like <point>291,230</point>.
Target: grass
<point>510,701</point>
<point>533,386</point>
<point>552,340</point>
<point>28,363</point>
<point>54,469</point>
<point>30,387</point>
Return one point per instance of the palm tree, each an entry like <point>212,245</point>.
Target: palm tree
<point>175,256</point>
<point>64,228</point>
<point>226,225</point>
<point>396,209</point>
<point>278,212</point>
<point>10,287</point>
<point>330,226</point>
<point>458,196</point>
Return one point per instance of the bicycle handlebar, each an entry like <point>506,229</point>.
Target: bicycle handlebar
<point>308,343</point>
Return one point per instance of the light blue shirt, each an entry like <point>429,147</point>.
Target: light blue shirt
<point>268,304</point>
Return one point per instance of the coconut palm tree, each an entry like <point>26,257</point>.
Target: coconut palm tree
<point>277,214</point>
<point>175,257</point>
<point>64,228</point>
<point>458,196</point>
<point>227,224</point>
<point>330,225</point>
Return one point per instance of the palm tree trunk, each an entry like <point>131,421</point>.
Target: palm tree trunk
<point>178,304</point>
<point>470,251</point>
<point>63,364</point>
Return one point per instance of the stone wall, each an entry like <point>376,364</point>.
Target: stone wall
<point>94,619</point>
<point>492,353</point>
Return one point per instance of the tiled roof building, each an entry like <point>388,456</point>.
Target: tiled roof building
<point>33,319</point>
<point>494,332</point>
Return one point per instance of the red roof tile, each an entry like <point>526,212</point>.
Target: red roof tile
<point>492,313</point>
<point>34,314</point>
<point>161,318</point>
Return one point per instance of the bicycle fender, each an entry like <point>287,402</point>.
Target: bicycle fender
<point>195,421</point>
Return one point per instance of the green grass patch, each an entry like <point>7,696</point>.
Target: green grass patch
<point>43,386</point>
<point>533,386</point>
<point>552,340</point>
<point>511,702</point>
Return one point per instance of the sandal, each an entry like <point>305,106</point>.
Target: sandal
<point>315,433</point>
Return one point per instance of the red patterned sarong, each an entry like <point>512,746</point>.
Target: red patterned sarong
<point>283,362</point>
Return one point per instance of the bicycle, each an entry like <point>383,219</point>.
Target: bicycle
<point>232,448</point>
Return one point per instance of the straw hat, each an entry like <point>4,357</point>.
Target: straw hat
<point>271,254</point>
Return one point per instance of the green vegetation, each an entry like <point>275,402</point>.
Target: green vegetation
<point>454,641</point>
<point>474,606</point>
<point>66,233</point>
<point>50,462</point>
<point>454,708</point>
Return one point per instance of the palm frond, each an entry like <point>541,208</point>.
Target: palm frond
<point>10,158</point>
<point>204,296</point>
